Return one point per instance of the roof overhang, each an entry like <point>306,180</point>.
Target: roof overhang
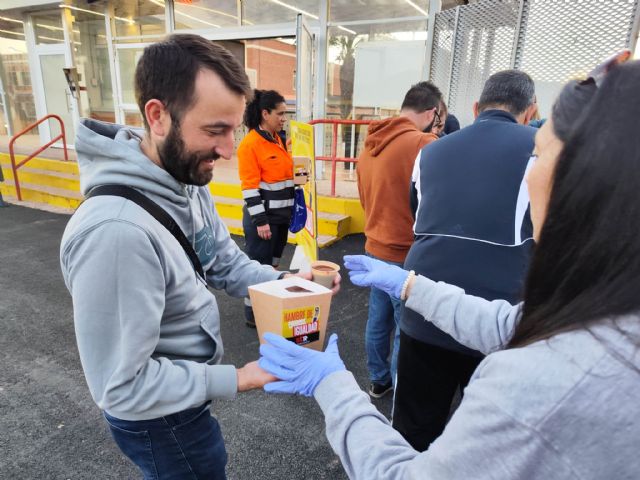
<point>11,4</point>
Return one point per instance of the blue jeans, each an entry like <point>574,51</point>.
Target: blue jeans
<point>385,313</point>
<point>184,445</point>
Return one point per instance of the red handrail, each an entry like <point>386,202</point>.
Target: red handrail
<point>333,158</point>
<point>15,167</point>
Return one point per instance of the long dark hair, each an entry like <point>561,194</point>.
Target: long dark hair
<point>262,100</point>
<point>586,265</point>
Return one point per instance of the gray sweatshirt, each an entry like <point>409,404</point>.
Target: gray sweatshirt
<point>565,408</point>
<point>147,326</point>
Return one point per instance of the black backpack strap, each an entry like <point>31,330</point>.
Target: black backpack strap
<point>156,211</point>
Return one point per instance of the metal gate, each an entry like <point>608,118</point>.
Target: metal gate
<point>551,40</point>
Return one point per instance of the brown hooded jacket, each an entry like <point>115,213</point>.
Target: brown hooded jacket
<point>384,179</point>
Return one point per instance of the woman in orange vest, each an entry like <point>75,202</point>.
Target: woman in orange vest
<point>266,176</point>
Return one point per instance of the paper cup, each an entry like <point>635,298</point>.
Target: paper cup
<point>324,272</point>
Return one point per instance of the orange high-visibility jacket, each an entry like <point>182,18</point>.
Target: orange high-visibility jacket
<point>266,176</point>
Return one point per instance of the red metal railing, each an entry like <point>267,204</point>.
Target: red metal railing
<point>15,167</point>
<point>333,158</point>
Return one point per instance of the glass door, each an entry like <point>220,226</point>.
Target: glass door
<point>5,118</point>
<point>55,97</point>
<point>50,53</point>
<point>127,57</point>
<point>304,71</point>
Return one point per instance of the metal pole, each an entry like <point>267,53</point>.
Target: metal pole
<point>474,69</point>
<point>434,8</point>
<point>3,99</point>
<point>334,154</point>
<point>115,81</point>
<point>2,204</point>
<point>454,52</point>
<point>320,74</point>
<point>64,139</point>
<point>635,29</point>
<point>486,68</point>
<point>519,34</point>
<point>169,16</point>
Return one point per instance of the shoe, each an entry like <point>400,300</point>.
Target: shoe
<point>249,319</point>
<point>379,390</point>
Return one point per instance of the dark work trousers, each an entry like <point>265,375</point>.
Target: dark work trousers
<point>267,252</point>
<point>428,377</point>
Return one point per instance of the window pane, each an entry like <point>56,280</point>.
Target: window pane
<point>271,65</point>
<point>261,12</point>
<point>56,94</point>
<point>139,17</point>
<point>374,69</point>
<point>368,73</point>
<point>15,78</point>
<point>127,61</point>
<point>48,27</point>
<point>343,10</point>
<point>206,14</point>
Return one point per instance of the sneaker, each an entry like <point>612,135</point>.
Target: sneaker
<point>250,320</point>
<point>379,390</point>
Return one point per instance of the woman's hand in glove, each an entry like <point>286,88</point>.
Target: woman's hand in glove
<point>365,271</point>
<point>299,369</point>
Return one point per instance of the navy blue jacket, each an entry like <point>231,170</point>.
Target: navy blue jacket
<point>473,227</point>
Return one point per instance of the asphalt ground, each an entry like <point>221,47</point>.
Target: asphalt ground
<point>51,429</point>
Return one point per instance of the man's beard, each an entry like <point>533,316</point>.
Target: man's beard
<point>182,164</point>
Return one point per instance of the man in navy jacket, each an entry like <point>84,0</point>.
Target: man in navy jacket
<point>472,230</point>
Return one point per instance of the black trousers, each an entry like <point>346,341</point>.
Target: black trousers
<point>427,381</point>
<point>264,251</point>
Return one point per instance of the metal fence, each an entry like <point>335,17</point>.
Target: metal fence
<point>552,40</point>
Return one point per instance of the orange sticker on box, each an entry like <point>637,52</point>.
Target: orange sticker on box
<point>300,325</point>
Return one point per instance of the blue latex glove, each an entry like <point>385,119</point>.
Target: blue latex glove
<point>299,369</point>
<point>365,271</point>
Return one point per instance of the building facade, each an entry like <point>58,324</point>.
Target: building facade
<point>361,51</point>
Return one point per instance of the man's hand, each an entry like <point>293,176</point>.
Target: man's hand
<point>308,276</point>
<point>264,232</point>
<point>252,376</point>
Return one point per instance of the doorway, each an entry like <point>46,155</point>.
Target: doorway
<point>272,57</point>
<point>50,55</point>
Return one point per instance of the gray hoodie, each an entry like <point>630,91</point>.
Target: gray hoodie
<point>565,408</point>
<point>147,326</point>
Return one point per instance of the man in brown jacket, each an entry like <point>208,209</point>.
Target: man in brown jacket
<point>384,179</point>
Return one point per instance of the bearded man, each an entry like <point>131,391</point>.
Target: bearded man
<point>147,326</point>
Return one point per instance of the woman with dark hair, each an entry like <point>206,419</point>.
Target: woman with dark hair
<point>266,176</point>
<point>558,393</point>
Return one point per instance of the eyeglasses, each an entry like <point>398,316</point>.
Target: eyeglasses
<point>437,122</point>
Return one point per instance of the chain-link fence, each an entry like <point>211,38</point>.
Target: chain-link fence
<point>552,40</point>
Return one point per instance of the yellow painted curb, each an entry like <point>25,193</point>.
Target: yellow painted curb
<point>334,205</point>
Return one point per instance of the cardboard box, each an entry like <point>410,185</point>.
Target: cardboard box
<point>300,170</point>
<point>293,307</point>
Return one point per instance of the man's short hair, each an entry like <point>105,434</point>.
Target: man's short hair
<point>167,72</point>
<point>421,97</point>
<point>512,90</point>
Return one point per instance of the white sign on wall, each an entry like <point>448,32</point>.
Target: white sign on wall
<point>384,71</point>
